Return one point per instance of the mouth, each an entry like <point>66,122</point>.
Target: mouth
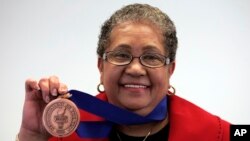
<point>134,85</point>
<point>138,86</point>
<point>135,90</point>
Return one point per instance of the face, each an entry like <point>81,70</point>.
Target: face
<point>135,87</point>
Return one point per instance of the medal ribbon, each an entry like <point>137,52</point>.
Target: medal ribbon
<point>112,114</point>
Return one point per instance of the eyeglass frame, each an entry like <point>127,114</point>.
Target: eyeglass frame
<point>167,59</point>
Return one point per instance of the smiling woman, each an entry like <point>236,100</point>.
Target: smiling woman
<point>136,59</point>
<point>134,86</point>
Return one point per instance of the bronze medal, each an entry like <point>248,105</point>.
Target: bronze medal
<point>61,117</point>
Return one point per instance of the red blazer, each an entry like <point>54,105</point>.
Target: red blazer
<point>188,122</point>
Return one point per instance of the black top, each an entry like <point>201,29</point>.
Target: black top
<point>162,135</point>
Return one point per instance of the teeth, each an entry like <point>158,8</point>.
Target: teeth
<point>134,86</point>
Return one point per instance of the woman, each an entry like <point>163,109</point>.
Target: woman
<point>136,49</point>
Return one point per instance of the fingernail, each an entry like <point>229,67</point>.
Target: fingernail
<point>37,88</point>
<point>54,92</point>
<point>63,90</point>
<point>47,99</point>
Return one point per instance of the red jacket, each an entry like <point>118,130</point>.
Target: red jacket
<point>188,122</point>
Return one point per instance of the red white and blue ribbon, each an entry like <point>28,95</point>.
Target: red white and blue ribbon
<point>112,114</point>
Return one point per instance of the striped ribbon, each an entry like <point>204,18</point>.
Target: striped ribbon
<point>112,114</point>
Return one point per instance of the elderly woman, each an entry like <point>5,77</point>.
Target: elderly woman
<point>136,50</point>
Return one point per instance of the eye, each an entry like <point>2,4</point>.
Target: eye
<point>120,56</point>
<point>153,59</point>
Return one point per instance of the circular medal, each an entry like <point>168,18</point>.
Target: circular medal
<point>61,117</point>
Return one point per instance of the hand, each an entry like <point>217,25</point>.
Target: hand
<point>38,95</point>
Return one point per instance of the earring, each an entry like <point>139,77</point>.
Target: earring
<point>171,91</point>
<point>99,89</point>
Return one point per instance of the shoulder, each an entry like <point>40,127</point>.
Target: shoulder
<point>102,96</point>
<point>194,121</point>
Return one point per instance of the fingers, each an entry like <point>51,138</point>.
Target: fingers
<point>48,88</point>
<point>54,85</point>
<point>31,84</point>
<point>32,89</point>
<point>63,89</point>
<point>44,85</point>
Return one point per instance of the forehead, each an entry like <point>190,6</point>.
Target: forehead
<point>136,36</point>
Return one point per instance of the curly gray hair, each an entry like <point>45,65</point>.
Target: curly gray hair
<point>140,13</point>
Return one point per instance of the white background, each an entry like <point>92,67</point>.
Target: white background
<point>59,37</point>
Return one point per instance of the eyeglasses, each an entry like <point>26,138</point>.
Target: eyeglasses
<point>151,60</point>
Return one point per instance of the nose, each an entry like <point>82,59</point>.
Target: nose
<point>135,68</point>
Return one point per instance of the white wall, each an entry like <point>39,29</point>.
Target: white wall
<point>47,37</point>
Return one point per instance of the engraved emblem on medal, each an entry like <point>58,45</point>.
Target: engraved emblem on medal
<point>61,117</point>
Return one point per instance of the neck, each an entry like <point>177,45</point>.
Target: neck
<point>144,129</point>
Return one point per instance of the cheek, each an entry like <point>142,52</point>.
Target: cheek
<point>110,77</point>
<point>160,80</point>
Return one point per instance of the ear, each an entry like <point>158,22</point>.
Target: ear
<point>100,67</point>
<point>100,64</point>
<point>171,68</point>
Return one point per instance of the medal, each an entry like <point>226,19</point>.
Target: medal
<point>61,117</point>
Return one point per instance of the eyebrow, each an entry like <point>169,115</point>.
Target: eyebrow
<point>151,48</point>
<point>146,48</point>
<point>123,46</point>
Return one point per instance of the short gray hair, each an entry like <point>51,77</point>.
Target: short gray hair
<point>143,13</point>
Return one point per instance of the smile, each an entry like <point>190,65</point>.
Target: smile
<point>134,86</point>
